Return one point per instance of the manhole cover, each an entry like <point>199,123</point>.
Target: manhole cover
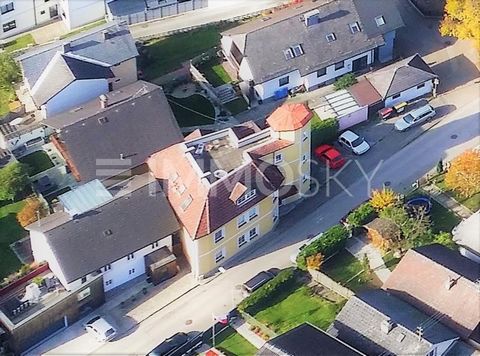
<point>188,322</point>
<point>387,183</point>
<point>453,137</point>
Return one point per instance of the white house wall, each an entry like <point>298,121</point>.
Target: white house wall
<point>410,94</point>
<point>267,89</point>
<point>226,42</point>
<point>76,13</point>
<point>78,92</point>
<point>311,81</point>
<point>353,118</point>
<point>18,141</point>
<point>23,15</point>
<point>244,72</point>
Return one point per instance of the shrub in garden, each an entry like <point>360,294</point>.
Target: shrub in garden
<point>258,299</point>
<point>345,81</point>
<point>332,241</point>
<point>384,198</point>
<point>315,261</point>
<point>463,176</point>
<point>323,131</point>
<point>31,211</point>
<point>361,215</point>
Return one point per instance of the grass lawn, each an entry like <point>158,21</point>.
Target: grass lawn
<point>84,28</point>
<point>215,73</point>
<point>19,43</point>
<point>342,267</point>
<point>472,203</point>
<point>233,344</point>
<point>294,308</point>
<point>38,161</point>
<point>190,111</point>
<point>167,54</point>
<point>236,106</point>
<point>5,95</point>
<point>10,231</point>
<point>442,219</point>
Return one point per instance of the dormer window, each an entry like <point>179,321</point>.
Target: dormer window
<point>331,37</point>
<point>380,21</point>
<point>288,53</point>
<point>186,203</point>
<point>297,50</point>
<point>355,27</point>
<point>247,197</point>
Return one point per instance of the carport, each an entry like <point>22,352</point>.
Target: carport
<point>342,106</point>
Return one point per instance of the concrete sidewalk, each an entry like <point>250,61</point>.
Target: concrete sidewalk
<point>241,327</point>
<point>447,201</point>
<point>359,247</point>
<point>200,17</point>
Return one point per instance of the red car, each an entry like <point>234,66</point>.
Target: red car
<point>330,156</point>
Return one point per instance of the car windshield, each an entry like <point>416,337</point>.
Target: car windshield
<point>357,142</point>
<point>91,321</point>
<point>408,118</point>
<point>109,332</point>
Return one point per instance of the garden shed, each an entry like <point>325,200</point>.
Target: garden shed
<point>383,232</point>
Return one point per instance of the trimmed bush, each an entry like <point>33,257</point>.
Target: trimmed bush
<point>361,215</point>
<point>332,241</point>
<point>324,131</point>
<point>345,81</point>
<point>260,298</point>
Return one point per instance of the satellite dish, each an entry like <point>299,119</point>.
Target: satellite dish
<point>17,121</point>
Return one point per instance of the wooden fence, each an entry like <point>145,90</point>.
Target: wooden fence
<point>329,283</point>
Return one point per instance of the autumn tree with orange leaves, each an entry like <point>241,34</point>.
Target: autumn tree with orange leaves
<point>30,212</point>
<point>461,20</point>
<point>463,176</point>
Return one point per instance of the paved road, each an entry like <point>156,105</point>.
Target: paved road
<point>218,11</point>
<point>196,307</point>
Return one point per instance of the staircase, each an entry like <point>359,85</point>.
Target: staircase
<point>225,93</point>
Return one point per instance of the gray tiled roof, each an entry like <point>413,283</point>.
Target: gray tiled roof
<point>266,40</point>
<point>402,75</point>
<point>139,122</point>
<point>136,217</point>
<point>358,324</point>
<point>63,71</point>
<point>117,48</point>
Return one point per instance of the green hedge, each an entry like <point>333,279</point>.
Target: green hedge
<point>345,81</point>
<point>260,298</point>
<point>332,241</point>
<point>324,131</point>
<point>361,215</point>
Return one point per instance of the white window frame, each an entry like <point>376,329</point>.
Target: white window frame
<point>108,282</point>
<point>330,37</point>
<point>255,213</point>
<point>250,237</point>
<point>297,50</point>
<point>288,53</point>
<point>278,157</point>
<point>304,158</point>
<point>241,220</point>
<point>222,235</point>
<point>107,267</point>
<point>245,240</point>
<point>304,135</point>
<point>380,20</point>
<point>304,178</point>
<point>287,78</point>
<point>338,63</point>
<point>247,197</point>
<point>355,27</point>
<point>216,254</point>
<point>420,86</point>
<point>7,7</point>
<point>130,256</point>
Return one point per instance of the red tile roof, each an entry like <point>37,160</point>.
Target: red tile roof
<point>365,93</point>
<point>422,277</point>
<point>289,117</point>
<point>209,207</point>
<point>269,147</point>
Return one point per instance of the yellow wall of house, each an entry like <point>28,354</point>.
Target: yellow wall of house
<point>201,252</point>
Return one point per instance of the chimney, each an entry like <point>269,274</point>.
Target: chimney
<point>103,101</point>
<point>105,35</point>
<point>122,156</point>
<point>312,18</point>
<point>386,326</point>
<point>450,283</point>
<point>66,47</point>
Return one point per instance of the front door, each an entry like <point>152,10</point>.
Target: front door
<point>359,64</point>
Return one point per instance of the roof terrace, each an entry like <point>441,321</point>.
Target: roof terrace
<point>220,153</point>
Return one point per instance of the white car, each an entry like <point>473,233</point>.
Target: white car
<point>415,117</point>
<point>100,329</point>
<point>353,142</point>
<point>310,239</point>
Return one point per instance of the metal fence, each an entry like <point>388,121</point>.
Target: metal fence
<point>161,11</point>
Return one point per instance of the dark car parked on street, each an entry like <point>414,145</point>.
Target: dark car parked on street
<point>178,344</point>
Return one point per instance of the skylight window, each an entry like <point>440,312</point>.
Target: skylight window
<point>292,52</point>
<point>380,21</point>
<point>331,37</point>
<point>355,27</point>
<point>246,197</point>
<point>186,203</point>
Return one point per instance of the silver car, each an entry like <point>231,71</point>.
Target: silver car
<point>415,117</point>
<point>100,329</point>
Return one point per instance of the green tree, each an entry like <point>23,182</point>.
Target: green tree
<point>445,239</point>
<point>13,180</point>
<point>461,20</point>
<point>9,70</point>
<point>345,81</point>
<point>323,131</point>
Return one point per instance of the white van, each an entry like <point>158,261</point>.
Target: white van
<point>415,117</point>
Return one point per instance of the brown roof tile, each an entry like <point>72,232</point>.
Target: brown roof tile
<point>269,147</point>
<point>421,279</point>
<point>289,117</point>
<point>365,93</point>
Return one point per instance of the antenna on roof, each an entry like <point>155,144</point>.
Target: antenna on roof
<point>142,91</point>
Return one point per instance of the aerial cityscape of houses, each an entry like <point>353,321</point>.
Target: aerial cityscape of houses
<point>306,185</point>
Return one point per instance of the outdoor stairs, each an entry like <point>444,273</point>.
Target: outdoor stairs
<point>225,93</point>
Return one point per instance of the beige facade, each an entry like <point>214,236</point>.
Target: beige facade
<point>125,73</point>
